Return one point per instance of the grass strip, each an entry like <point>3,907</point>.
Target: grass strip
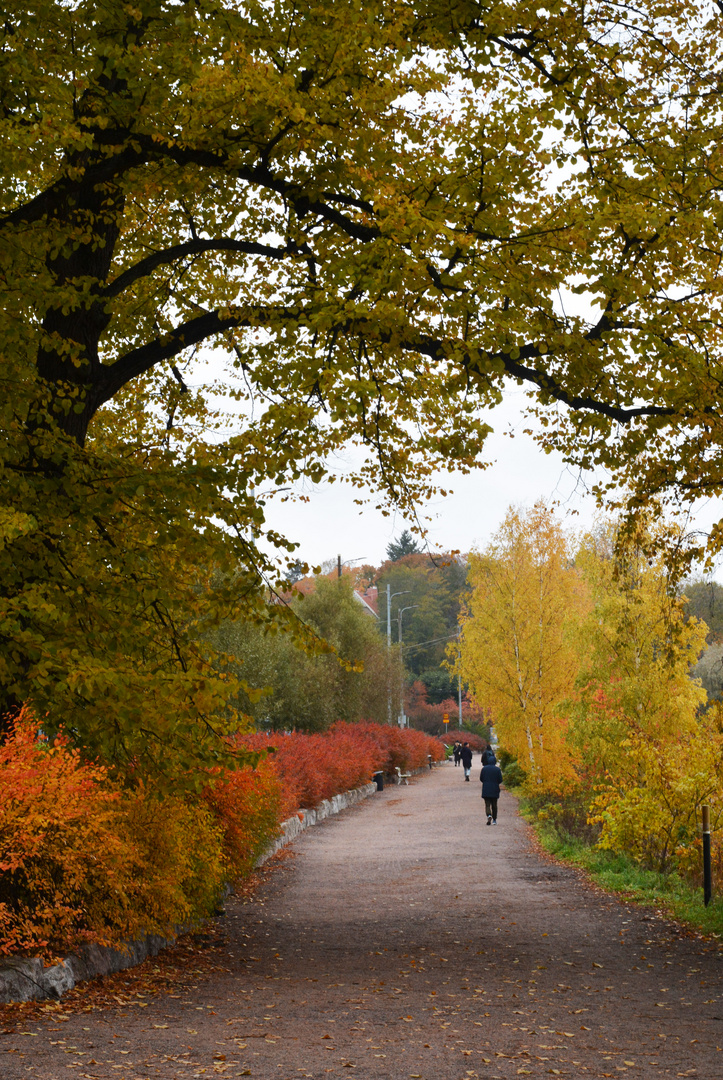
<point>668,894</point>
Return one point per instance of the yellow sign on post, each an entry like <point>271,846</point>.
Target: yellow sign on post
<point>445,718</point>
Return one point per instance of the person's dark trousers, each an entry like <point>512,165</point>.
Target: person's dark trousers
<point>491,808</point>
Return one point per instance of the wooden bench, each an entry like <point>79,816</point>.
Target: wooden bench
<point>402,777</point>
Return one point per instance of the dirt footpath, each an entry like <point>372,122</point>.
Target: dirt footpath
<point>406,939</point>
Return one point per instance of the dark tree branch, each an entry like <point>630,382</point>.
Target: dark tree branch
<point>536,376</point>
<point>192,247</point>
<point>139,361</point>
<point>47,203</point>
<point>527,54</point>
<point>179,379</point>
<point>192,332</point>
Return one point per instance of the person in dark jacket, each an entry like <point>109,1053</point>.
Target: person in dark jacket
<point>488,756</point>
<point>457,751</point>
<point>491,777</point>
<point>466,755</point>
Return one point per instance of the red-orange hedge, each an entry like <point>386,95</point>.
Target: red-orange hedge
<point>83,859</point>
<point>316,767</point>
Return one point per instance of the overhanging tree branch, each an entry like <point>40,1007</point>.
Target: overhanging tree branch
<point>193,247</point>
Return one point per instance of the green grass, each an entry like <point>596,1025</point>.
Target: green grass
<point>667,893</point>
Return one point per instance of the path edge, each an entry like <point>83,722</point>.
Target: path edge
<point>27,978</point>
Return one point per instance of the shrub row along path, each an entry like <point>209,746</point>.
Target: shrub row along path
<point>405,939</point>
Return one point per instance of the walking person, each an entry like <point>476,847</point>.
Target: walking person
<point>466,756</point>
<point>457,751</point>
<point>488,756</point>
<point>491,777</point>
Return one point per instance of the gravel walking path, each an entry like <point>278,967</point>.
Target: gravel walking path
<point>405,939</point>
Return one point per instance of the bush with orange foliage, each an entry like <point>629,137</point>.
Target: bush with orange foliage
<point>54,817</point>
<point>316,767</point>
<point>83,860</point>
<point>247,804</point>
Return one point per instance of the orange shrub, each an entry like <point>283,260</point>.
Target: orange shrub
<point>247,804</point>
<point>56,838</point>
<point>316,767</point>
<point>404,747</point>
<point>81,860</point>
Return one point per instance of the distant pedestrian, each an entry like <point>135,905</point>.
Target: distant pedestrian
<point>457,752</point>
<point>488,756</point>
<point>491,777</point>
<point>466,756</point>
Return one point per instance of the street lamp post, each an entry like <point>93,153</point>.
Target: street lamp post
<point>409,607</point>
<point>459,681</point>
<point>390,597</point>
<point>459,697</point>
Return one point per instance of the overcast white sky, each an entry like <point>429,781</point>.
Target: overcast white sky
<point>330,524</point>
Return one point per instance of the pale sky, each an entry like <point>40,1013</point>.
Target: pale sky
<point>330,524</point>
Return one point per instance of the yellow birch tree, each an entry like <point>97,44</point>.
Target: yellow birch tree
<point>647,755</point>
<point>515,648</point>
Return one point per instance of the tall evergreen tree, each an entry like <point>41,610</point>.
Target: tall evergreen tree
<point>405,545</point>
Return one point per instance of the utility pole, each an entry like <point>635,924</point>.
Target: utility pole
<point>459,678</point>
<point>409,607</point>
<point>390,597</point>
<point>389,654</point>
<point>459,697</point>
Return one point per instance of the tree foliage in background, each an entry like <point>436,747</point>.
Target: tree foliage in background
<point>704,600</point>
<point>428,716</point>
<point>637,647</point>
<point>371,212</point>
<point>307,691</point>
<point>431,587</point>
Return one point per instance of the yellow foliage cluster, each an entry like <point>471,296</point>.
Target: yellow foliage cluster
<point>584,655</point>
<point>650,808</point>
<point>516,653</point>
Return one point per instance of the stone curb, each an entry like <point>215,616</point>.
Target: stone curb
<point>29,980</point>
<point>304,819</point>
<point>24,979</point>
